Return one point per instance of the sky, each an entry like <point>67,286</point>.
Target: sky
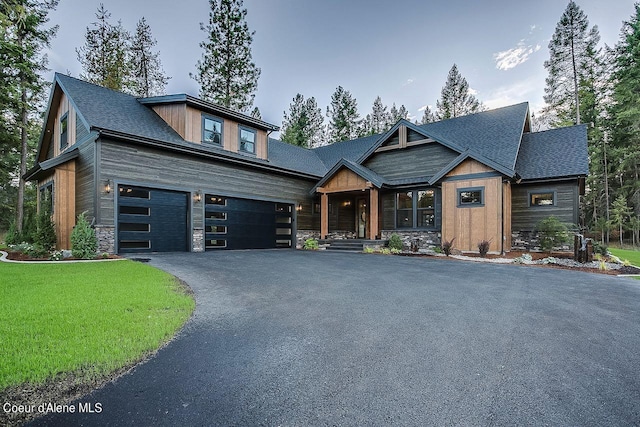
<point>399,50</point>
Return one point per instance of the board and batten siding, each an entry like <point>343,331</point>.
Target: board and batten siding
<point>526,218</point>
<point>422,160</point>
<point>153,167</point>
<point>471,224</point>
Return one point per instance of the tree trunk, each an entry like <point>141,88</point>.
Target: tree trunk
<point>606,181</point>
<point>575,76</point>
<point>23,159</point>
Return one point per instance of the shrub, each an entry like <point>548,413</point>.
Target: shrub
<point>13,236</point>
<point>395,242</point>
<point>368,250</point>
<point>395,251</point>
<point>552,233</point>
<point>311,245</point>
<point>447,246</point>
<point>45,236</point>
<point>599,248</point>
<point>37,251</point>
<point>56,256</point>
<point>483,247</point>
<point>84,242</point>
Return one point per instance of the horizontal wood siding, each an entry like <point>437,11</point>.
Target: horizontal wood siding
<point>81,129</point>
<point>388,202</point>
<point>422,160</point>
<point>525,218</point>
<point>152,167</point>
<point>85,183</point>
<point>342,214</point>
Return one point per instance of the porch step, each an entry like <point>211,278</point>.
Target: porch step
<point>347,245</point>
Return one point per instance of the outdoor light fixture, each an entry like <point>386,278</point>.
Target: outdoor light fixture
<point>299,207</point>
<point>347,203</point>
<point>197,196</point>
<point>107,186</point>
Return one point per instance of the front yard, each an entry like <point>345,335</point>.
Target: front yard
<point>76,323</point>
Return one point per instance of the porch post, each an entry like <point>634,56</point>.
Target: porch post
<point>324,215</point>
<point>373,213</point>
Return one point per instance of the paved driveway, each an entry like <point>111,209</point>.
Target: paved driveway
<point>298,338</point>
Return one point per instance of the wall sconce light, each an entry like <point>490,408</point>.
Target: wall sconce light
<point>107,186</point>
<point>347,203</point>
<point>299,207</point>
<point>197,196</point>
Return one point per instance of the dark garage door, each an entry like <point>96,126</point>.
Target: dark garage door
<point>152,220</point>
<point>234,223</point>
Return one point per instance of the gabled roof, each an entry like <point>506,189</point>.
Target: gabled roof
<point>359,170</point>
<point>350,150</point>
<point>296,158</point>
<point>554,153</point>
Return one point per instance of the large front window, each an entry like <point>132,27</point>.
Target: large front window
<point>247,140</point>
<point>416,209</point>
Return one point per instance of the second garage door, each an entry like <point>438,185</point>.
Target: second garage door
<point>235,223</point>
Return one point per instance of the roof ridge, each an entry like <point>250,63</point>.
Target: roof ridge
<point>57,74</point>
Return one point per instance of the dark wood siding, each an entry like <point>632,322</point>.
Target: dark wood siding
<point>423,160</point>
<point>85,184</point>
<point>525,218</point>
<point>151,167</point>
<point>81,129</point>
<point>388,202</point>
<point>342,215</point>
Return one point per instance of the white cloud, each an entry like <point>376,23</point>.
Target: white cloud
<point>408,82</point>
<point>424,107</point>
<point>472,92</point>
<point>511,58</point>
<point>517,92</point>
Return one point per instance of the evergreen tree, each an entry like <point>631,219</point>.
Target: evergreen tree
<point>625,111</point>
<point>427,116</point>
<point>148,77</point>
<point>398,113</point>
<point>22,24</point>
<point>456,99</point>
<point>380,120</point>
<point>344,119</point>
<point>304,124</point>
<point>226,72</point>
<point>569,48</point>
<point>104,55</point>
<point>255,113</point>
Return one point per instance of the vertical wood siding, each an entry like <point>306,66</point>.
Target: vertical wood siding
<point>64,213</point>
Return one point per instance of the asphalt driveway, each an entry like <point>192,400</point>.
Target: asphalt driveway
<point>298,338</point>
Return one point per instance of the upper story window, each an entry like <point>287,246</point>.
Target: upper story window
<point>469,197</point>
<point>64,131</point>
<point>211,130</point>
<point>247,140</point>
<point>546,198</point>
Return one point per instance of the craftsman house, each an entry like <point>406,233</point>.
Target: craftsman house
<point>175,173</point>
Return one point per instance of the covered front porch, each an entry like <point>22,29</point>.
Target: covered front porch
<point>349,203</point>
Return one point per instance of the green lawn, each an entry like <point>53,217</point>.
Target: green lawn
<point>627,254</point>
<point>83,318</point>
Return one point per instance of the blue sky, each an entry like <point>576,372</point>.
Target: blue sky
<point>400,50</point>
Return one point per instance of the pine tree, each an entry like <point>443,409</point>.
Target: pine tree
<point>255,113</point>
<point>226,72</point>
<point>380,119</point>
<point>344,119</point>
<point>398,113</point>
<point>456,98</point>
<point>23,39</point>
<point>427,116</point>
<point>303,125</point>
<point>148,77</point>
<point>104,55</point>
<point>568,50</point>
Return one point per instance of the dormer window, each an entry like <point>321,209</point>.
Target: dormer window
<point>211,130</point>
<point>247,140</point>
<point>64,134</point>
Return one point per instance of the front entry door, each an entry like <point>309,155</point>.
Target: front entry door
<point>362,219</point>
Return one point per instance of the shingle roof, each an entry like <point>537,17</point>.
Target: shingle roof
<point>296,158</point>
<point>350,150</point>
<point>104,108</point>
<point>554,153</point>
<point>493,134</point>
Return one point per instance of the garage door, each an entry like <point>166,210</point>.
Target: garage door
<point>152,220</point>
<point>234,223</point>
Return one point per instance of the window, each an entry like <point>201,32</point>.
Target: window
<point>404,210</point>
<point>134,192</point>
<point>220,229</point>
<point>542,199</point>
<point>46,198</point>
<point>469,197</point>
<point>134,210</point>
<point>64,134</point>
<point>215,200</point>
<point>426,214</point>
<point>221,216</point>
<point>211,130</point>
<point>215,243</point>
<point>247,140</point>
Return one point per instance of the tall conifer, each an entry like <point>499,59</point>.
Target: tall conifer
<point>456,99</point>
<point>148,77</point>
<point>344,119</point>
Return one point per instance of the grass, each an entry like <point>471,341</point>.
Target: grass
<point>85,319</point>
<point>632,256</point>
